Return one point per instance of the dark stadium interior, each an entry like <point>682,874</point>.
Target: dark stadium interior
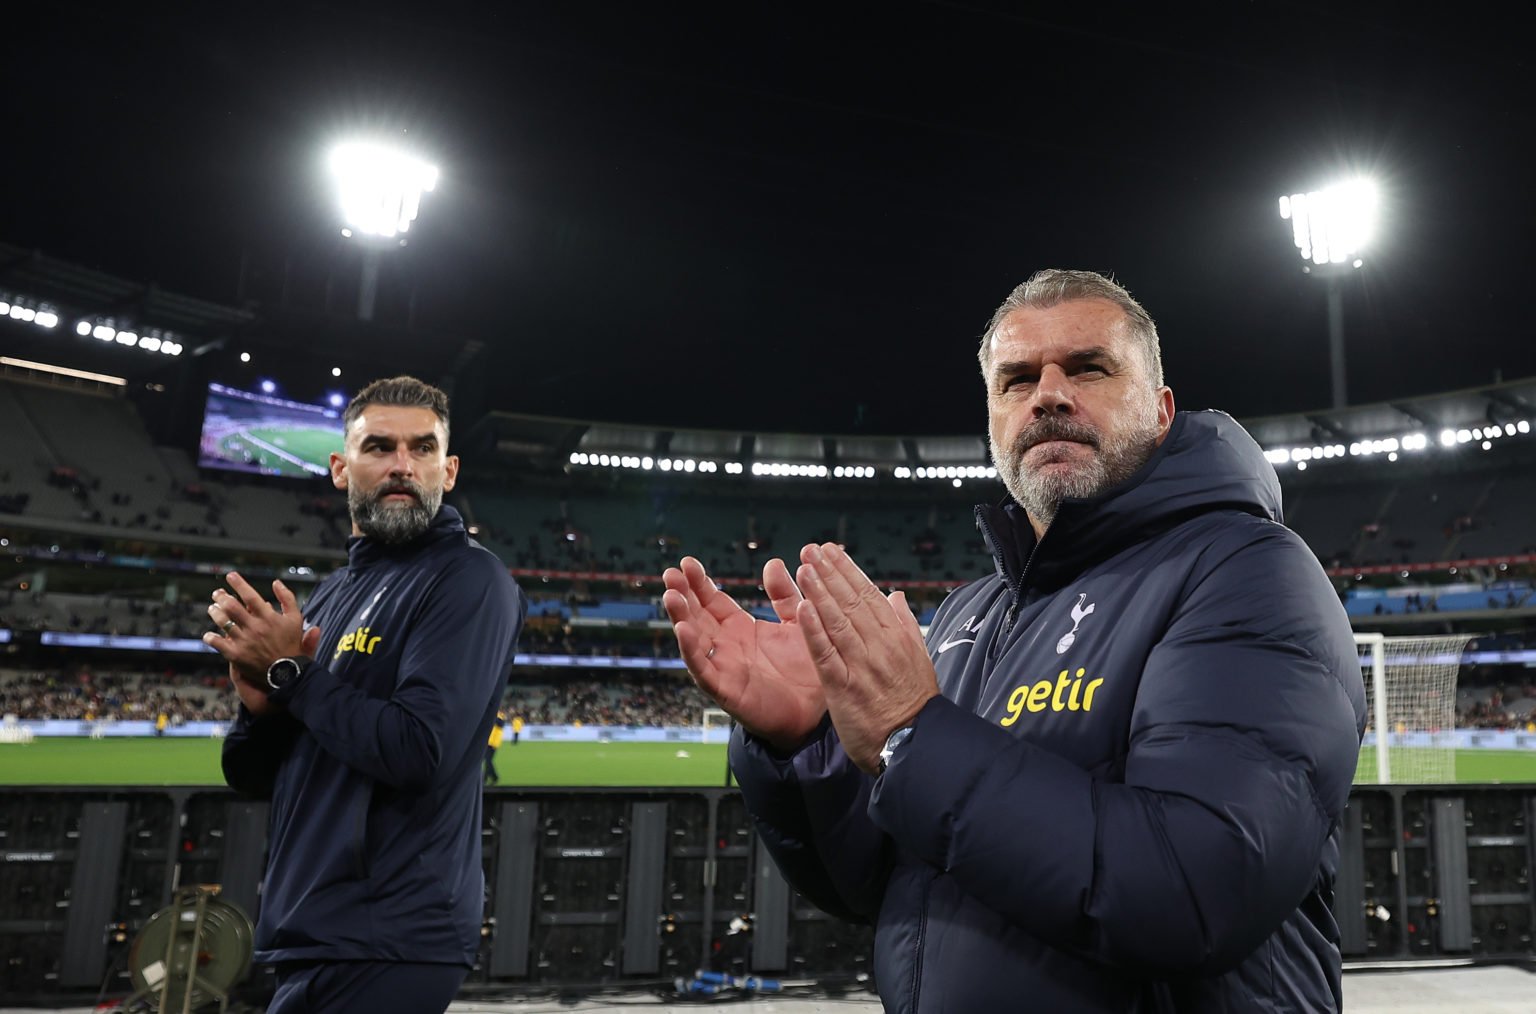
<point>708,282</point>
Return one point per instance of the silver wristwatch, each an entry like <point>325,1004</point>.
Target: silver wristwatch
<point>285,670</point>
<point>892,742</point>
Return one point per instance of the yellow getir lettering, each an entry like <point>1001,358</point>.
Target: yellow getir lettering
<point>373,643</point>
<point>1061,684</point>
<point>1088,694</point>
<point>1015,704</point>
<point>1077,686</point>
<point>1065,693</point>
<point>346,643</point>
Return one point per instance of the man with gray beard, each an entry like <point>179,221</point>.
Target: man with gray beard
<point>1111,779</point>
<point>363,718</point>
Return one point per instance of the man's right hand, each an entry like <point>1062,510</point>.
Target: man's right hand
<point>760,673</point>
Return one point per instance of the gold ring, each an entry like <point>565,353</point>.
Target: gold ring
<point>228,626</point>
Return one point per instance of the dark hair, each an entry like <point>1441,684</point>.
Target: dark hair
<point>405,391</point>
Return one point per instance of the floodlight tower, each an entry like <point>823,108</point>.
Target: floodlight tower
<point>380,191</point>
<point>1332,227</point>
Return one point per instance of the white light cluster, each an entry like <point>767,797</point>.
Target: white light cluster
<point>783,468</point>
<point>1392,447</point>
<point>1485,434</point>
<point>644,462</point>
<point>949,472</point>
<point>1334,225</point>
<point>42,316</point>
<point>688,466</point>
<point>154,341</point>
<point>380,188</point>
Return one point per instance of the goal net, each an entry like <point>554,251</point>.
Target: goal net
<point>716,725</point>
<point>12,731</point>
<point>1410,694</point>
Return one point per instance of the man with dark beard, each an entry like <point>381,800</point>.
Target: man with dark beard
<point>363,719</point>
<point>1112,778</point>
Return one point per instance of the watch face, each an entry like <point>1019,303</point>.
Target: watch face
<point>896,739</point>
<point>282,672</point>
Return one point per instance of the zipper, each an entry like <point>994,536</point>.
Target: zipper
<point>995,649</point>
<point>1013,590</point>
<point>922,937</point>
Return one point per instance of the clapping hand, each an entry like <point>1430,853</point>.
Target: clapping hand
<point>868,651</point>
<point>252,635</point>
<point>757,671</point>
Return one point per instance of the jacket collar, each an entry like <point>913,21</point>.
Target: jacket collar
<point>1207,463</point>
<point>363,551</point>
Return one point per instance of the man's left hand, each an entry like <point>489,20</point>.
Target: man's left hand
<point>868,650</point>
<point>253,634</point>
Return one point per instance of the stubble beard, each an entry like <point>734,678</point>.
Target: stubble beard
<point>393,522</point>
<point>1041,491</point>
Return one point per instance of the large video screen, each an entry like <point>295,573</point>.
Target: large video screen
<point>249,432</point>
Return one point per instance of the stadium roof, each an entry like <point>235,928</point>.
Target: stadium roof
<point>98,293</point>
<point>87,295</point>
<point>552,442</point>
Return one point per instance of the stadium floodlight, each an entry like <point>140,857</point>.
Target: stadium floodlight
<point>1333,225</point>
<point>380,190</point>
<point>1332,228</point>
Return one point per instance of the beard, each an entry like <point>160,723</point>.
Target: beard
<point>1040,491</point>
<point>393,522</point>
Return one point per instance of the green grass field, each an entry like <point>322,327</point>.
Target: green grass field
<point>196,762</point>
<point>69,761</point>
<point>1471,765</point>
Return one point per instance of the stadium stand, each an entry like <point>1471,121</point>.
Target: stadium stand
<point>114,534</point>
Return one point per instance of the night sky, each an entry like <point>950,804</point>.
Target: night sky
<point>789,218</point>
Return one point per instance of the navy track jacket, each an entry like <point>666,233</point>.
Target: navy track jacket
<point>1127,796</point>
<point>374,768</point>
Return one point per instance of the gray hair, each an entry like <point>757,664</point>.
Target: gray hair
<point>407,392</point>
<point>1052,286</point>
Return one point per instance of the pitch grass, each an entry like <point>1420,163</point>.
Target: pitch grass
<point>174,761</point>
<point>67,761</point>
<point>1475,766</point>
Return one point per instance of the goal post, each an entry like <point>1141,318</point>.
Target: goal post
<point>715,725</point>
<point>1374,661</point>
<point>1410,689</point>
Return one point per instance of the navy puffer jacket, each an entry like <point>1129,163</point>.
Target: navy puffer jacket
<point>1127,797</point>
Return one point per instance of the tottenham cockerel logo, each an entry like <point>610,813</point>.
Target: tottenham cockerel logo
<point>1078,615</point>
